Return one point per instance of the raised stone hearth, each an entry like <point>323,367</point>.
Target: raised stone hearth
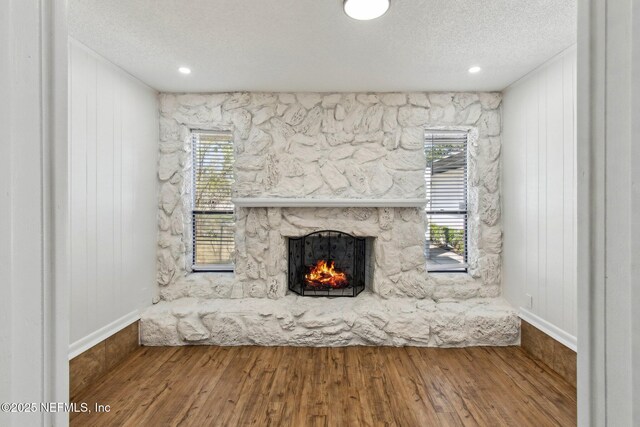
<point>365,320</point>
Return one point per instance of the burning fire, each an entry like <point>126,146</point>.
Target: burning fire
<point>324,274</point>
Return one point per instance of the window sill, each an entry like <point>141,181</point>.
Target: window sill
<point>464,269</point>
<point>212,269</point>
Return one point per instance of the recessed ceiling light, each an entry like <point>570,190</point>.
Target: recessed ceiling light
<point>474,69</point>
<point>185,70</point>
<point>363,10</point>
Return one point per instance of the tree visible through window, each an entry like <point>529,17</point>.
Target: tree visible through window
<point>212,215</point>
<point>446,185</point>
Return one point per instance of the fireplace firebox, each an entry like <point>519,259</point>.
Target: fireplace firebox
<point>327,264</point>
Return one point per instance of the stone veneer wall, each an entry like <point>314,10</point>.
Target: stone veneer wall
<point>312,145</point>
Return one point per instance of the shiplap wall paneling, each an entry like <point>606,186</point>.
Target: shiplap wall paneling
<point>114,134</point>
<point>539,195</point>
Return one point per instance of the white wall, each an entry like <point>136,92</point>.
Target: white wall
<point>113,162</point>
<point>539,196</point>
<point>33,119</point>
<point>609,213</point>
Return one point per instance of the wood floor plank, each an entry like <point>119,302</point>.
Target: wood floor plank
<point>211,370</point>
<point>518,408</point>
<point>201,379</point>
<point>143,365</point>
<point>354,386</point>
<point>401,377</point>
<point>478,393</point>
<point>538,384</point>
<point>157,394</point>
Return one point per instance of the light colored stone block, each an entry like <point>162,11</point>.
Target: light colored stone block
<point>394,99</point>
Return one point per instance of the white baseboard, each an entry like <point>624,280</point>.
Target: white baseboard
<point>83,344</point>
<point>549,329</point>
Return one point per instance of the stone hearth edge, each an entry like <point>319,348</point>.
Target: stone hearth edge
<point>331,322</point>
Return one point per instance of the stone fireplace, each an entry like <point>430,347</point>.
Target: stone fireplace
<point>311,162</point>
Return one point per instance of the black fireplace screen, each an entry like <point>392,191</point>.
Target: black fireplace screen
<point>327,263</point>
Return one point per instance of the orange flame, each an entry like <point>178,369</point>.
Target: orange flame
<point>324,274</point>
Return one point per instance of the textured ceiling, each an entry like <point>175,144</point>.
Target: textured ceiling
<point>311,45</point>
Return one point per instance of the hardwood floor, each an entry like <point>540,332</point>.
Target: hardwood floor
<point>349,386</point>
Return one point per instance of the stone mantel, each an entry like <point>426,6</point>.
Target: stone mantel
<point>279,202</point>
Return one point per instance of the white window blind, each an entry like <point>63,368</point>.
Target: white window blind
<point>446,209</point>
<point>212,216</point>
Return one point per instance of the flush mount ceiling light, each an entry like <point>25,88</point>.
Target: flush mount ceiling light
<point>363,10</point>
<point>474,69</point>
<point>185,70</point>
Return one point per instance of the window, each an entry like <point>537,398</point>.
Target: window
<point>212,215</point>
<point>446,209</point>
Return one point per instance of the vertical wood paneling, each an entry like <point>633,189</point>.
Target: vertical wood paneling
<point>533,195</point>
<point>104,196</point>
<point>117,190</point>
<point>554,194</point>
<point>542,194</point>
<point>539,162</point>
<point>128,224</point>
<point>114,134</point>
<point>78,190</point>
<point>569,192</point>
<point>92,192</point>
<point>516,163</point>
